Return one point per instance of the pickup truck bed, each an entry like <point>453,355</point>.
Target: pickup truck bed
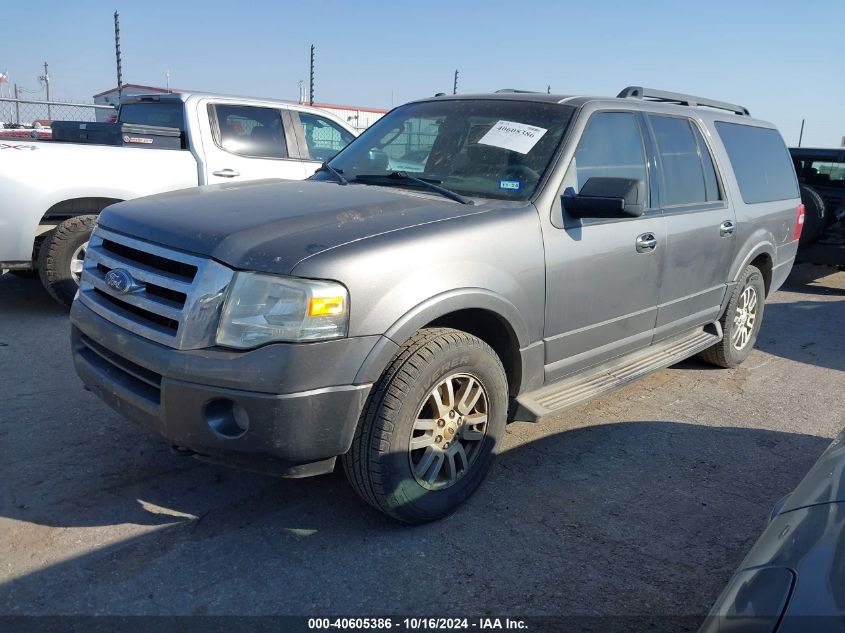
<point>53,191</point>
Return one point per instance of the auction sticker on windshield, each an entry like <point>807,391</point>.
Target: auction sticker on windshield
<point>517,137</point>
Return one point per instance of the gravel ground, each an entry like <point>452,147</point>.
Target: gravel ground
<point>640,503</point>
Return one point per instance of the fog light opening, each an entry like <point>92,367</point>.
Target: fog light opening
<point>226,418</point>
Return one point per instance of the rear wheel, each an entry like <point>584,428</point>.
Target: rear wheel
<point>740,322</point>
<point>431,426</point>
<point>61,256</point>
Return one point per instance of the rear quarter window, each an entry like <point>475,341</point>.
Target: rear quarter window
<point>760,161</point>
<point>162,114</point>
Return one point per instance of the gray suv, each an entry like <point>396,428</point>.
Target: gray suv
<point>468,260</point>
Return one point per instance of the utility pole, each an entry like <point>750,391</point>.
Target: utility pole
<point>311,84</point>
<point>167,75</point>
<point>46,79</point>
<point>801,135</point>
<point>117,55</point>
<point>455,85</point>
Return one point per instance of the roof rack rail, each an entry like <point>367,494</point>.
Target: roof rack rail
<point>638,92</point>
<point>514,90</point>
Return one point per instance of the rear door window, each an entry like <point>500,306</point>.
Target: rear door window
<point>760,161</point>
<point>688,172</point>
<point>250,131</point>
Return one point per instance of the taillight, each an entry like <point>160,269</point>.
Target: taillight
<point>799,223</point>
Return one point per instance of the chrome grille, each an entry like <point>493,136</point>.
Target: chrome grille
<point>175,297</point>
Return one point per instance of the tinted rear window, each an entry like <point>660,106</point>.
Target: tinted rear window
<point>162,114</point>
<point>760,161</point>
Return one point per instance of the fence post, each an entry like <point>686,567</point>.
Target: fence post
<point>17,106</point>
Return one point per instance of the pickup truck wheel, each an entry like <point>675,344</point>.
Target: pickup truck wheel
<point>431,426</point>
<point>61,255</point>
<point>740,322</point>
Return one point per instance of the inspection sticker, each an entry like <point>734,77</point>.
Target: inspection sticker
<point>517,137</point>
<point>513,185</point>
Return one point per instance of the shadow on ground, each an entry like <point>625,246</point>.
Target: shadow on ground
<point>610,519</point>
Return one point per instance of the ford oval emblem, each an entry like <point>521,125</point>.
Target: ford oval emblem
<point>120,281</point>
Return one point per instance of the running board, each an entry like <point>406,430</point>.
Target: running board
<point>613,374</point>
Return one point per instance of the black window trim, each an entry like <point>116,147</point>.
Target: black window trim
<point>292,149</point>
<point>723,193</point>
<point>686,207</point>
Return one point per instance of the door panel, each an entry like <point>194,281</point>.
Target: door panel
<point>601,294</point>
<point>701,228</point>
<point>698,259</point>
<point>601,290</point>
<point>248,143</point>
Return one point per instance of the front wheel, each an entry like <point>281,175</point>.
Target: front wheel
<point>61,256</point>
<point>431,426</point>
<point>740,322</point>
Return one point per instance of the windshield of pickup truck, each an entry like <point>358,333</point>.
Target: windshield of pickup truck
<point>489,148</point>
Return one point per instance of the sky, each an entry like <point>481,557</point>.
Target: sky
<point>782,59</point>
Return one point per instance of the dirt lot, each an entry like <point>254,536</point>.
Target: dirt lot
<point>639,503</point>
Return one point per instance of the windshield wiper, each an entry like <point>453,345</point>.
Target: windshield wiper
<point>338,175</point>
<point>400,177</point>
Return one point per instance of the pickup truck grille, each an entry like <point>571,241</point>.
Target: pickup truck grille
<point>162,294</point>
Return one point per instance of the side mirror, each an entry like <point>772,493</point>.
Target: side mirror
<point>379,160</point>
<point>607,198</point>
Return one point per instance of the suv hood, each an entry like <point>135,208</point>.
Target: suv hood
<point>272,225</point>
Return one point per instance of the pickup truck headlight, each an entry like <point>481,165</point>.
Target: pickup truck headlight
<point>263,309</point>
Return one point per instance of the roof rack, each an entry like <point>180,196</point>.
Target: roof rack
<point>514,90</point>
<point>638,92</point>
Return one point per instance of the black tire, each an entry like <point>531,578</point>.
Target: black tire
<point>378,465</point>
<point>724,353</point>
<point>814,215</point>
<point>54,257</point>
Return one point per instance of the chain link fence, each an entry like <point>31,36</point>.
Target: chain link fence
<point>14,112</point>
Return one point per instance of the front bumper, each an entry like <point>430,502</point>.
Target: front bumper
<point>283,408</point>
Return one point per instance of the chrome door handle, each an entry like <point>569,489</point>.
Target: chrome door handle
<point>646,243</point>
<point>726,228</point>
<point>226,173</point>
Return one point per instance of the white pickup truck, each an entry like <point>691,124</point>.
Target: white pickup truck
<point>51,192</point>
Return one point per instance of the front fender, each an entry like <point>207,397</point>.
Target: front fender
<point>432,309</point>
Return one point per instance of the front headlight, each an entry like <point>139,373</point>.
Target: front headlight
<point>263,309</point>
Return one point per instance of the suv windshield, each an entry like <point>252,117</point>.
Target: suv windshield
<point>491,148</point>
